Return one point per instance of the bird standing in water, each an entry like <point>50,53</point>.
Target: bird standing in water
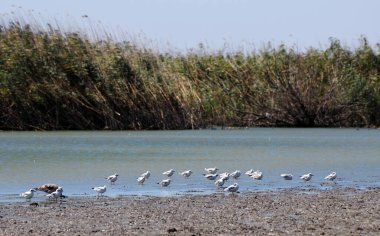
<point>112,178</point>
<point>100,190</point>
<point>28,194</point>
<point>306,177</point>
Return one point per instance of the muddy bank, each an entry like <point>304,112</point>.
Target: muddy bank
<point>292,211</point>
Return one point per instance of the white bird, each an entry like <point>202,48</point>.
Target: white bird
<point>28,194</point>
<point>220,182</point>
<point>236,174</point>
<point>56,194</point>
<point>211,176</point>
<point>249,172</point>
<point>112,178</point>
<point>146,174</point>
<point>232,188</point>
<point>169,173</point>
<point>257,175</point>
<point>100,189</point>
<point>141,179</point>
<point>211,170</point>
<point>186,173</point>
<point>225,175</point>
<point>331,176</point>
<point>165,182</point>
<point>306,177</point>
<point>287,176</point>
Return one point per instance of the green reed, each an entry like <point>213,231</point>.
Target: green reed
<point>53,79</point>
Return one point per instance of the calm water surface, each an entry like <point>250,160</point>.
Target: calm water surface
<point>80,160</point>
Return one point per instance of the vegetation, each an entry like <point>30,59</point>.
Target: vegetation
<point>54,80</point>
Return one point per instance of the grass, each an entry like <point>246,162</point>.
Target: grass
<point>54,79</point>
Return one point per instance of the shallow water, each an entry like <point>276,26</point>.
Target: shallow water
<point>80,160</point>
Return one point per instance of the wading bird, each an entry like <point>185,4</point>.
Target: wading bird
<point>236,174</point>
<point>306,177</point>
<point>100,190</point>
<point>146,174</point>
<point>28,194</point>
<point>257,175</point>
<point>331,176</point>
<point>164,183</point>
<point>211,170</point>
<point>141,179</point>
<point>220,182</point>
<point>112,178</point>
<point>210,176</point>
<point>56,194</point>
<point>169,173</point>
<point>232,188</point>
<point>186,173</point>
<point>287,176</point>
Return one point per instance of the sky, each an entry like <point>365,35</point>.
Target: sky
<point>183,24</point>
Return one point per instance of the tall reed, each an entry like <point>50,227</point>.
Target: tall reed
<point>54,79</point>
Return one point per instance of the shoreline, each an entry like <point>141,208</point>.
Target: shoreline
<point>40,197</point>
<point>288,211</point>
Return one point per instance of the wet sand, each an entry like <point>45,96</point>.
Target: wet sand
<point>341,211</point>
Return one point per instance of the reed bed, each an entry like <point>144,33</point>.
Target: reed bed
<point>55,79</point>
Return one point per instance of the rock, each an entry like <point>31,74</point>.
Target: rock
<point>172,230</point>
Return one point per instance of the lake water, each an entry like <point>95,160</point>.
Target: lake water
<point>80,160</point>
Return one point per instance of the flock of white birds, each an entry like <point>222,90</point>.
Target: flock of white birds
<point>56,192</point>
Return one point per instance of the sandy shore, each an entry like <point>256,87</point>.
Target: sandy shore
<point>340,211</point>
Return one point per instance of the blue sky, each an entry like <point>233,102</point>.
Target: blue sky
<point>183,24</point>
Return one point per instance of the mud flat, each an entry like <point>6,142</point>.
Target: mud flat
<point>340,211</point>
